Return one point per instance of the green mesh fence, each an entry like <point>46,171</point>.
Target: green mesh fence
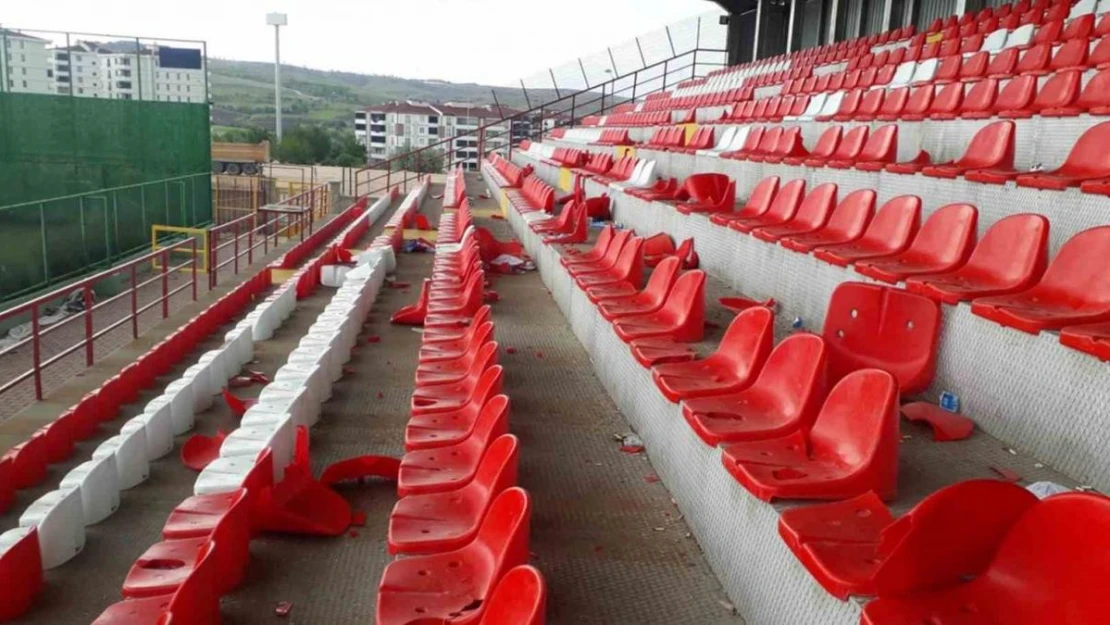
<point>83,179</point>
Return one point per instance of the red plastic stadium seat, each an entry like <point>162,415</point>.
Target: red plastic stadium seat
<point>1049,32</point>
<point>992,147</point>
<point>889,233</point>
<point>811,215</point>
<point>453,466</point>
<point>948,70</point>
<point>1093,339</point>
<point>520,598</point>
<point>450,371</point>
<point>709,193</point>
<point>165,566</point>
<point>847,223</point>
<point>847,151</point>
<point>781,210</point>
<point>456,585</point>
<point>612,252</point>
<point>974,67</point>
<point>870,105</point>
<point>946,104</point>
<point>444,521</point>
<point>21,570</point>
<point>629,267</point>
<point>822,150</point>
<point>1094,99</point>
<point>732,367</point>
<point>1088,160</point>
<point>917,106</point>
<point>1017,95</point>
<point>1046,570</point>
<point>449,428</point>
<point>1004,64</point>
<point>848,106</point>
<point>851,449</point>
<point>1059,91</point>
<point>789,145</point>
<point>783,399</point>
<point>871,326</point>
<point>1100,56</point>
<point>614,302</point>
<point>758,203</point>
<point>1011,257</point>
<point>894,104</point>
<point>195,601</point>
<point>881,149</point>
<point>944,243</point>
<point>856,547</point>
<point>1035,60</point>
<point>1073,291</point>
<point>681,318</point>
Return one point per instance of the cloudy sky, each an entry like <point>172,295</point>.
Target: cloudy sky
<point>485,41</point>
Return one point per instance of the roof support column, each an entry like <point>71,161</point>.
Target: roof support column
<point>834,8</point>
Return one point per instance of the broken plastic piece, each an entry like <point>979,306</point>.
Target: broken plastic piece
<point>200,450</point>
<point>947,426</point>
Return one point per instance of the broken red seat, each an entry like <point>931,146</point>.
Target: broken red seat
<point>1088,160</point>
<point>1047,569</point>
<point>751,144</point>
<point>661,189</point>
<point>480,357</point>
<point>872,326</point>
<point>1094,99</point>
<point>198,516</point>
<point>447,428</point>
<point>851,449</point>
<point>445,350</point>
<point>732,367</point>
<point>943,243</point>
<point>657,247</point>
<point>445,521</point>
<point>21,570</point>
<point>681,318</point>
<point>847,150</point>
<point>757,204</point>
<point>450,397</point>
<point>847,223</point>
<point>781,210</point>
<point>857,547</point>
<point>629,267</point>
<point>709,193</point>
<point>947,426</point>
<point>442,334</point>
<point>790,145</point>
<point>651,352</point>
<point>1011,257</point>
<point>1093,339</point>
<point>992,147</point>
<point>784,398</point>
<point>452,466</point>
<point>165,566</point>
<point>456,585</point>
<point>880,150</point>
<point>519,599</point>
<point>649,300</point>
<point>890,232</point>
<point>1074,290</point>
<point>812,214</point>
<point>823,150</point>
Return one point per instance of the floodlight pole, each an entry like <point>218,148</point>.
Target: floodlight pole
<point>277,20</point>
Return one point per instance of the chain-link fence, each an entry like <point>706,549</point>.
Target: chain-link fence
<point>101,137</point>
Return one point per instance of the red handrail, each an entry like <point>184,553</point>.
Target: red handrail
<point>85,285</point>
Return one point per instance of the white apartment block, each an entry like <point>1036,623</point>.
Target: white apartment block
<point>89,69</point>
<point>25,63</point>
<point>388,129</point>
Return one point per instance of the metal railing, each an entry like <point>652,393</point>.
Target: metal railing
<point>565,110</point>
<point>130,269</point>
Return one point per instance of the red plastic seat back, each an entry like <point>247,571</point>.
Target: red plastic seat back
<point>949,68</point>
<point>1017,94</point>
<point>1048,567</point>
<point>661,280</point>
<point>992,146</point>
<point>948,235</point>
<point>980,98</point>
<point>895,101</point>
<point>786,201</point>
<point>769,141</point>
<point>503,535</point>
<point>1077,274</point>
<point>952,535</point>
<point>708,188</point>
<point>1035,59</point>
<point>828,142</point>
<point>1013,251</point>
<point>520,598</point>
<point>948,100</point>
<point>881,146</point>
<point>817,205</point>
<point>851,144</point>
<point>1004,63</point>
<point>747,342</point>
<point>869,326</point>
<point>852,215</point>
<point>762,195</point>
<point>1089,156</point>
<point>859,420</point>
<point>1049,32</point>
<point>794,373</point>
<point>920,100</point>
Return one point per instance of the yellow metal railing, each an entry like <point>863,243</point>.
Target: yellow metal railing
<point>169,236</point>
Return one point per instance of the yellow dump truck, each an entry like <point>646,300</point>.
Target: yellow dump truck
<point>239,158</point>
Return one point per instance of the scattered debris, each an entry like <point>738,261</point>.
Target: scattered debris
<point>1046,489</point>
<point>1010,450</point>
<point>348,371</point>
<point>630,443</point>
<point>358,519</point>
<point>381,395</point>
<point>437,197</point>
<point>373,338</point>
<point>727,605</point>
<point>283,608</point>
<point>659,529</point>
<point>510,350</point>
<point>1007,474</point>
<point>399,285</point>
<point>497,216</point>
<point>483,196</point>
<point>539,355</point>
<point>651,479</point>
<point>353,533</point>
<point>712,325</point>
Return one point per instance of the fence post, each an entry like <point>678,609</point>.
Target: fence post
<point>165,283</point>
<point>89,355</point>
<point>36,355</point>
<point>134,303</point>
<point>195,269</point>
<point>236,247</point>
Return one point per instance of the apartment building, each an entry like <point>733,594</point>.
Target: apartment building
<point>392,128</point>
<point>25,63</point>
<point>129,71</point>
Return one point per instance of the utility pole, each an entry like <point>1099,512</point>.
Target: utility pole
<point>277,20</point>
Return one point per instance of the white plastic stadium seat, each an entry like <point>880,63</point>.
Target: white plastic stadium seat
<point>816,103</point>
<point>995,41</point>
<point>903,75</point>
<point>925,71</point>
<point>1020,37</point>
<point>99,485</point>
<point>1083,7</point>
<point>179,394</point>
<point>832,104</point>
<point>722,143</point>
<point>61,525</point>
<point>132,466</point>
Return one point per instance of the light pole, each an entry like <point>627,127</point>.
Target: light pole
<point>277,20</point>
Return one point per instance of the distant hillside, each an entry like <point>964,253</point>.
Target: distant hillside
<point>243,94</point>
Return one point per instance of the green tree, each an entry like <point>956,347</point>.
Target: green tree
<point>426,161</point>
<point>347,151</point>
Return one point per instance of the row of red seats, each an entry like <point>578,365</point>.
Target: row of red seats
<point>942,24</point>
<point>535,194</point>
<point>720,98</point>
<point>509,174</point>
<point>460,519</point>
<point>614,136</point>
<point>646,118</point>
<point>568,157</point>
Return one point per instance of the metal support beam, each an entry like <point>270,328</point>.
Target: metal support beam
<point>961,7</point>
<point>834,8</point>
<point>755,38</point>
<point>888,6</point>
<point>790,26</point>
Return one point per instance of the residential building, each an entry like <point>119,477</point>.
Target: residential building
<point>129,71</point>
<point>395,127</point>
<point>25,63</point>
